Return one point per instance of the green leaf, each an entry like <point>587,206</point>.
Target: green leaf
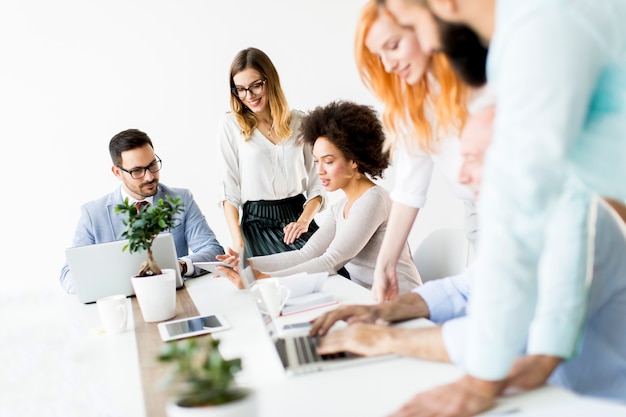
<point>199,375</point>
<point>142,227</point>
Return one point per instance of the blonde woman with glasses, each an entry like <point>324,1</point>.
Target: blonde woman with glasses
<point>268,174</point>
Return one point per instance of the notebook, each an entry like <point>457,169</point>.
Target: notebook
<point>103,269</point>
<point>298,353</point>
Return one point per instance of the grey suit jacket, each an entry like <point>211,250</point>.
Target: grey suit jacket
<point>100,223</point>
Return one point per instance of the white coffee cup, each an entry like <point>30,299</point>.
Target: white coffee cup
<point>113,311</point>
<point>273,294</point>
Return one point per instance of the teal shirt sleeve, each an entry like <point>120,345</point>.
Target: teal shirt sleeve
<point>565,271</point>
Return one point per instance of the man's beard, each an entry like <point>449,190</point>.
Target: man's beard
<point>465,51</point>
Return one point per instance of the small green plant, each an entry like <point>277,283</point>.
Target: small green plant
<point>144,225</point>
<point>200,376</point>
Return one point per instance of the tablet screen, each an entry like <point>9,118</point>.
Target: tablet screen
<point>212,266</point>
<point>192,326</point>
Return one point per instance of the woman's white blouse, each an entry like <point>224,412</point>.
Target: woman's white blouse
<point>260,170</point>
<point>414,169</point>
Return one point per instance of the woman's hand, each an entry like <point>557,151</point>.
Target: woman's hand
<point>231,257</point>
<point>385,285</point>
<point>257,274</point>
<point>294,230</point>
<point>232,275</point>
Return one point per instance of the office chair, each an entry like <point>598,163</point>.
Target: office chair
<point>444,252</point>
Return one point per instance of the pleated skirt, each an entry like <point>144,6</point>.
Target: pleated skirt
<point>262,224</point>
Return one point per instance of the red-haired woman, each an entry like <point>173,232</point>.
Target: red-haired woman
<point>425,108</point>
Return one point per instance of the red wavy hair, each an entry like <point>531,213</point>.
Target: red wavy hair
<point>406,105</point>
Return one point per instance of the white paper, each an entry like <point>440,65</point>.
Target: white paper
<point>308,302</point>
<point>303,283</point>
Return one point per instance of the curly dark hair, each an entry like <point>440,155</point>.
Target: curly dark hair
<point>355,129</point>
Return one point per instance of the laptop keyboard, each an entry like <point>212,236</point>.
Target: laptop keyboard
<point>306,350</point>
<point>306,346</point>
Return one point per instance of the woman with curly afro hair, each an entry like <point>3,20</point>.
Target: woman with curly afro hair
<point>348,141</point>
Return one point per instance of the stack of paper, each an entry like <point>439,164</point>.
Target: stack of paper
<point>304,283</point>
<point>306,292</point>
<point>308,302</point>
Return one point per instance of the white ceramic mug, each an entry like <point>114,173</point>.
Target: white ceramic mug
<point>273,294</point>
<point>113,311</point>
<point>156,295</point>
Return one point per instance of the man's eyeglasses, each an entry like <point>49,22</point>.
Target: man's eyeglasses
<point>138,173</point>
<point>254,89</point>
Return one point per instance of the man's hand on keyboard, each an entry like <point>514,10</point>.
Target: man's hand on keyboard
<point>360,338</point>
<point>350,313</point>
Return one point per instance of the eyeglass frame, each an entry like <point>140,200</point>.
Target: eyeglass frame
<point>235,91</point>
<point>157,161</point>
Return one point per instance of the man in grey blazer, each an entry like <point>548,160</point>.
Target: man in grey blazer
<point>137,166</point>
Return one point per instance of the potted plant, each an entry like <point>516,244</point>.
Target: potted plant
<point>155,288</point>
<point>202,382</point>
<point>144,224</point>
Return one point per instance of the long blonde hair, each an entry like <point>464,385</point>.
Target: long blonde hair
<point>406,105</point>
<point>279,109</point>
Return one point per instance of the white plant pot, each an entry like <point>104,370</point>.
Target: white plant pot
<point>245,407</point>
<point>156,295</point>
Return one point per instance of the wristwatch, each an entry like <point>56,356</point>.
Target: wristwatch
<point>183,266</point>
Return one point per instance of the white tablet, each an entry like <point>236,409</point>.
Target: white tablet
<point>211,266</point>
<point>192,326</point>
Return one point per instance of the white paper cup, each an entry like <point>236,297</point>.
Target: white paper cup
<point>113,311</point>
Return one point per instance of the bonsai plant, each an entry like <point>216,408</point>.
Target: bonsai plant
<point>144,224</point>
<point>156,295</point>
<point>201,377</point>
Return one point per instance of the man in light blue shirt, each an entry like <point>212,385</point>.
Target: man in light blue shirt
<point>138,168</point>
<point>599,366</point>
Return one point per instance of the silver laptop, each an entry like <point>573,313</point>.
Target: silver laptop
<point>104,269</point>
<point>298,353</point>
<point>245,270</point>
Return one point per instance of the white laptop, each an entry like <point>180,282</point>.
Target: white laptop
<point>104,269</point>
<point>298,353</point>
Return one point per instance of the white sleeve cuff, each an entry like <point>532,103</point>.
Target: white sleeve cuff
<point>190,267</point>
<point>454,335</point>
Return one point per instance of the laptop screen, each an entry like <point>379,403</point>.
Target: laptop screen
<point>245,270</point>
<point>104,269</point>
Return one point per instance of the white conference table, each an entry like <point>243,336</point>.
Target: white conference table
<point>74,369</point>
<point>373,389</point>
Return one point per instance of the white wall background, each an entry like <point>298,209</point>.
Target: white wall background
<point>73,73</point>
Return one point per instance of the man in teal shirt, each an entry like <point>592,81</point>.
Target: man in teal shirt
<point>557,69</point>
